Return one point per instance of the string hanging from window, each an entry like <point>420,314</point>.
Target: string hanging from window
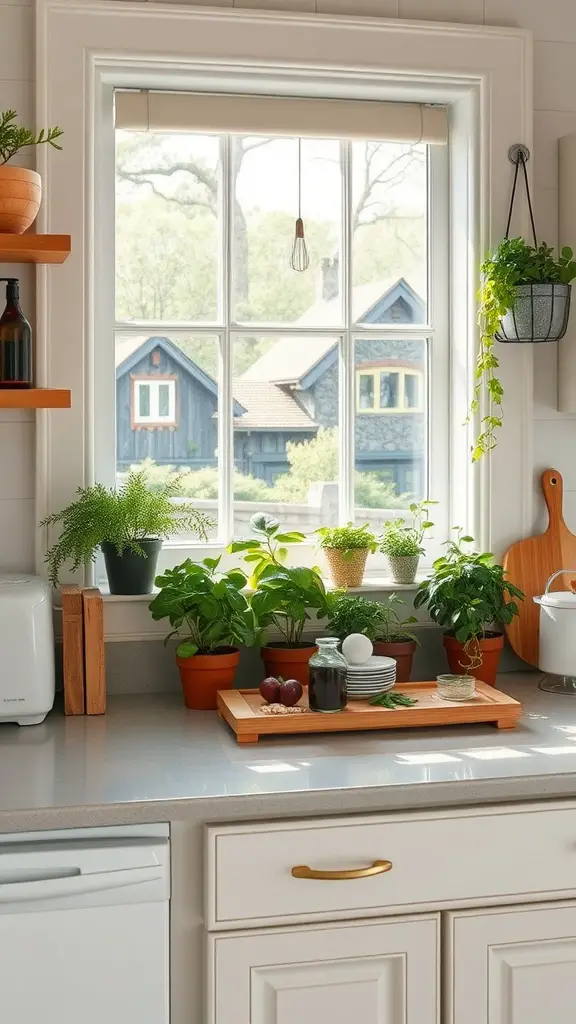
<point>299,260</point>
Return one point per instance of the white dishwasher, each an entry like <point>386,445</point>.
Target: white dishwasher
<point>84,926</point>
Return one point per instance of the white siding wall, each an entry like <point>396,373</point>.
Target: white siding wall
<point>554,25</point>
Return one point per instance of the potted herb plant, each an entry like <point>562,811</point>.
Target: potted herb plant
<point>394,640</point>
<point>346,549</point>
<point>402,542</point>
<point>20,189</point>
<point>211,616</point>
<point>524,297</point>
<point>284,598</point>
<point>348,615</point>
<point>128,524</point>
<point>268,547</point>
<point>466,594</point>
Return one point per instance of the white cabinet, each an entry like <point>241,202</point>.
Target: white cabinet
<point>515,965</point>
<point>369,972</point>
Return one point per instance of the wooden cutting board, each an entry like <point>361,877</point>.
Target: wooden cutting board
<point>529,564</point>
<point>73,649</point>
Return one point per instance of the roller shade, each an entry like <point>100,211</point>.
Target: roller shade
<point>219,113</point>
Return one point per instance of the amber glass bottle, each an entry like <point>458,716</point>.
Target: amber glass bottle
<point>15,341</point>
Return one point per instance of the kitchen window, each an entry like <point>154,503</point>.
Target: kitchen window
<point>265,357</point>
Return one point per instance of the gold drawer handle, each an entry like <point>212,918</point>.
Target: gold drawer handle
<point>377,868</point>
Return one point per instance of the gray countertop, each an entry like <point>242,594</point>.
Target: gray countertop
<point>149,759</point>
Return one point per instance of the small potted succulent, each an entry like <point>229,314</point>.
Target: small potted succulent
<point>467,594</point>
<point>394,640</point>
<point>346,549</point>
<point>211,616</point>
<point>524,297</point>
<point>20,189</point>
<point>128,524</point>
<point>284,598</point>
<point>402,542</point>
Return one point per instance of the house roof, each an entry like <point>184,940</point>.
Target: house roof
<point>269,407</point>
<point>288,364</point>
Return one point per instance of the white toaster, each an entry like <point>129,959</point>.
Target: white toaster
<point>26,649</point>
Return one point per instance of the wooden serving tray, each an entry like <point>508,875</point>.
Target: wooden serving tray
<point>241,709</point>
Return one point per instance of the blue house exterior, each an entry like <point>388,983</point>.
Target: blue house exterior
<point>167,404</point>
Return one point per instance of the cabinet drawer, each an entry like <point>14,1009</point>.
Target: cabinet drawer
<point>438,858</point>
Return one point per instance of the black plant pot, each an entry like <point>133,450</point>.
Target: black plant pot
<point>130,573</point>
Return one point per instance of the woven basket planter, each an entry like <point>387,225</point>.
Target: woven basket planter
<point>347,567</point>
<point>403,568</point>
<point>540,313</point>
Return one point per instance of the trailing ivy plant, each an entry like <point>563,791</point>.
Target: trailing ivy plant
<point>512,263</point>
<point>13,137</point>
<point>122,517</point>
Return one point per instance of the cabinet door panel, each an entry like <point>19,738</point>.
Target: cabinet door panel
<point>514,966</point>
<point>365,973</point>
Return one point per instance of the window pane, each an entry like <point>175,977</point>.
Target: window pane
<point>144,400</point>
<point>366,391</point>
<point>265,288</point>
<point>286,431</point>
<point>190,447</point>
<point>389,390</point>
<point>411,391</point>
<point>390,447</point>
<point>389,232</point>
<point>167,232</point>
<point>163,401</point>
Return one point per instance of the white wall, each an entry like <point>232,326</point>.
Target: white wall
<point>554,25</point>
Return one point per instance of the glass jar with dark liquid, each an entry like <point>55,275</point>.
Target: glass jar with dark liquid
<point>327,688</point>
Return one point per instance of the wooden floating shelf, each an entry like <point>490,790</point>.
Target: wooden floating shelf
<point>35,398</point>
<point>34,248</point>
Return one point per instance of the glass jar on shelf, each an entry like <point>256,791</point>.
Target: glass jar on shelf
<point>327,688</point>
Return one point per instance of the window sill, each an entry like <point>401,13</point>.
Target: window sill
<point>370,585</point>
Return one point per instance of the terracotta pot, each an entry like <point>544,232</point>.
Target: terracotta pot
<point>403,652</point>
<point>203,675</point>
<point>490,648</point>
<point>403,568</point>
<point>288,662</point>
<point>20,198</point>
<point>347,571</point>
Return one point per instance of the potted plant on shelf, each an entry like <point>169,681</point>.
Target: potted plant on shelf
<point>394,640</point>
<point>268,548</point>
<point>466,594</point>
<point>524,297</point>
<point>20,189</point>
<point>128,524</point>
<point>348,615</point>
<point>402,542</point>
<point>211,616</point>
<point>346,549</point>
<point>284,598</point>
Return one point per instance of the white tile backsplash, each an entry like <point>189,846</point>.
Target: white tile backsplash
<point>17,474</point>
<point>554,447</point>
<point>443,10</point>
<point>16,44</point>
<point>360,8</point>
<point>555,76</point>
<point>553,20</point>
<point>17,530</point>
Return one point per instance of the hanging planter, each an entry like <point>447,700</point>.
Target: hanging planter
<point>524,298</point>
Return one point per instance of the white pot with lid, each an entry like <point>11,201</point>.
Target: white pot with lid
<point>557,629</point>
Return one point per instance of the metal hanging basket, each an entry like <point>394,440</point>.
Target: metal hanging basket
<point>540,313</point>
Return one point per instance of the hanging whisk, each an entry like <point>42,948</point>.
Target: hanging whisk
<point>299,260</point>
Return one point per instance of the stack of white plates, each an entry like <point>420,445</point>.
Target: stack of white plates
<point>375,676</point>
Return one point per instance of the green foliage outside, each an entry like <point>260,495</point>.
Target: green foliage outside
<point>122,517</point>
<point>512,263</point>
<point>206,611</point>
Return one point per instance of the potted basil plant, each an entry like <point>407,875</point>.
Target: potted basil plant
<point>211,617</point>
<point>467,594</point>
<point>128,524</point>
<point>347,549</point>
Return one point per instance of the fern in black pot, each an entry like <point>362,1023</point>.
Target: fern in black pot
<point>128,524</point>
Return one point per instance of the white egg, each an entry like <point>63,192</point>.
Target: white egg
<point>357,649</point>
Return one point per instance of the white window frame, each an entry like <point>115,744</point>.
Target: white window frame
<point>154,417</point>
<point>84,51</point>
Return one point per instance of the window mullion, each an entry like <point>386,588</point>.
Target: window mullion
<point>225,424</point>
<point>347,396</point>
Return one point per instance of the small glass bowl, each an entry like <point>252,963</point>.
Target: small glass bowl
<point>452,687</point>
